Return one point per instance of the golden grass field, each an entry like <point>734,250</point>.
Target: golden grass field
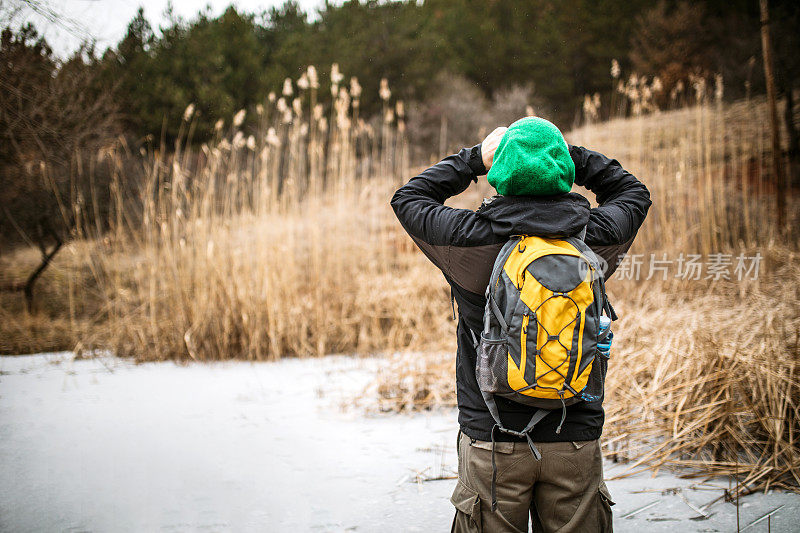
<point>230,262</point>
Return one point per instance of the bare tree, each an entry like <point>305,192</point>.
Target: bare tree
<point>54,116</point>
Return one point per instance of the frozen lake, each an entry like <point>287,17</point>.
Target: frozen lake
<point>106,445</point>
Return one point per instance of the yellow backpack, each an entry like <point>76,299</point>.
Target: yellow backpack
<point>541,329</point>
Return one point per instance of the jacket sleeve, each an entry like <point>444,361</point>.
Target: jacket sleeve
<point>455,240</point>
<point>419,204</point>
<point>623,204</point>
<point>623,200</point>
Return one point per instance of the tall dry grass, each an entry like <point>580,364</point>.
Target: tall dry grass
<point>708,167</point>
<point>265,243</point>
<point>279,241</point>
<point>708,376</point>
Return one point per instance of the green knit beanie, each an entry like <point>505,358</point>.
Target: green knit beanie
<point>532,159</point>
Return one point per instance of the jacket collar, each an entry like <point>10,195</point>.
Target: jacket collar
<point>561,215</point>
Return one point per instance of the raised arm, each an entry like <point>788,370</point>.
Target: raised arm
<point>458,241</point>
<point>419,204</point>
<point>623,204</point>
<point>623,199</point>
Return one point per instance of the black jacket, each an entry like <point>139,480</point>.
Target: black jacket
<point>465,243</point>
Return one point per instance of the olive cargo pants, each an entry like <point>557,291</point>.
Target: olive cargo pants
<point>563,492</point>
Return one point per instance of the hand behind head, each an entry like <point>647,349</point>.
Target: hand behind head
<point>490,144</point>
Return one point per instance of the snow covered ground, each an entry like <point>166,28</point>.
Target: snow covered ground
<point>106,445</point>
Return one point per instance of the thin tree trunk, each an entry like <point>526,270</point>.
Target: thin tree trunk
<point>443,136</point>
<point>31,281</point>
<point>773,114</point>
<point>791,129</point>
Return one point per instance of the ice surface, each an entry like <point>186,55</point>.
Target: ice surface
<point>107,445</point>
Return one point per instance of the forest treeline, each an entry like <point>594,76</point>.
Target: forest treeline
<point>452,58</point>
<point>560,50</point>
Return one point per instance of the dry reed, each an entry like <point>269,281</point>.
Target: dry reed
<point>708,376</point>
<point>708,170</point>
<point>268,244</point>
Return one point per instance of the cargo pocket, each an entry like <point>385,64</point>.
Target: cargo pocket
<point>468,509</point>
<point>604,516</point>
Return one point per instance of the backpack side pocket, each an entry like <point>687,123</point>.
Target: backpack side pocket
<point>492,364</point>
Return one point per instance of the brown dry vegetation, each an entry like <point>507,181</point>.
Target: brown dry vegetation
<point>268,245</point>
<point>66,301</point>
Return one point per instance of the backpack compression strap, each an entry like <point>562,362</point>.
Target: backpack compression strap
<point>497,314</point>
